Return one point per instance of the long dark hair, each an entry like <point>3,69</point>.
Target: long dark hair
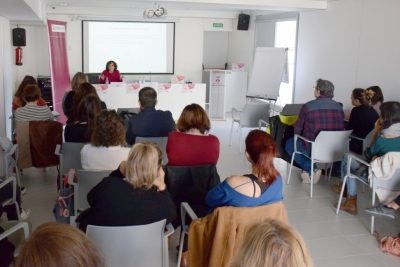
<point>88,109</point>
<point>262,149</point>
<point>390,114</point>
<point>83,90</point>
<point>360,95</point>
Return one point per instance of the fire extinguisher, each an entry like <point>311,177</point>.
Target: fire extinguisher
<point>18,56</point>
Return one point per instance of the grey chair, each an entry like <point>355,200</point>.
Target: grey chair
<point>161,143</point>
<point>328,147</point>
<point>139,245</point>
<point>70,158</point>
<point>9,153</point>
<point>13,199</point>
<point>86,181</point>
<point>291,109</point>
<point>253,114</point>
<point>365,141</point>
<point>391,183</point>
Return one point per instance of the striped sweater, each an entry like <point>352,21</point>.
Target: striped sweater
<point>33,113</point>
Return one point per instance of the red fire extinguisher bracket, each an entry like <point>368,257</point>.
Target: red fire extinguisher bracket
<point>18,56</point>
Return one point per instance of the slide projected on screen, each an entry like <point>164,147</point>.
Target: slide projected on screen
<point>136,47</point>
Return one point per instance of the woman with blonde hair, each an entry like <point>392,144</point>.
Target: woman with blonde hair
<point>133,194</point>
<point>273,243</point>
<point>68,98</point>
<point>107,149</point>
<point>56,244</point>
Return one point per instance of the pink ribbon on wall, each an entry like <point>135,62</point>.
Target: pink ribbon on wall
<point>60,79</point>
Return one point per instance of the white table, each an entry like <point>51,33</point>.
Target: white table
<point>174,99</point>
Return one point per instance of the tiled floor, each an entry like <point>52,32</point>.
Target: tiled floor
<point>333,240</point>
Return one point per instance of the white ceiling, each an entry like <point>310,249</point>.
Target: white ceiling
<point>211,5</point>
<point>21,10</point>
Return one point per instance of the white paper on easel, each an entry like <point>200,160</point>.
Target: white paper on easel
<point>285,75</point>
<point>267,71</point>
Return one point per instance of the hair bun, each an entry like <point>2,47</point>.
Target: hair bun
<point>369,93</point>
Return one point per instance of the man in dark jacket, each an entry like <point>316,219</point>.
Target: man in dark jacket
<point>149,122</point>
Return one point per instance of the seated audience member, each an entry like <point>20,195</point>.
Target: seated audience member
<point>385,211</point>
<point>68,98</point>
<point>192,145</point>
<point>80,131</point>
<point>6,192</point>
<point>272,243</point>
<point>108,140</point>
<point>386,138</point>
<point>18,100</point>
<point>149,122</point>
<point>58,244</point>
<point>82,90</point>
<point>263,186</point>
<point>321,114</point>
<point>375,97</point>
<point>141,198</point>
<point>32,111</point>
<point>362,119</point>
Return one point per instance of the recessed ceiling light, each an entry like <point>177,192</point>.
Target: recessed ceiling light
<point>192,8</point>
<point>63,4</point>
<point>130,6</point>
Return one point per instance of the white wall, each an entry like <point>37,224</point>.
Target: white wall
<point>354,43</point>
<point>188,49</point>
<point>6,77</point>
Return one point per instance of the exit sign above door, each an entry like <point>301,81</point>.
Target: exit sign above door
<point>218,25</point>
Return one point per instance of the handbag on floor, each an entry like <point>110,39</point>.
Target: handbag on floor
<point>64,207</point>
<point>389,244</point>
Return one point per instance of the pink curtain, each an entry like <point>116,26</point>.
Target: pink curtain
<point>60,79</point>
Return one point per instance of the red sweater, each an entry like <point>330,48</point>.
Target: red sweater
<point>192,150</point>
<point>41,102</point>
<point>112,77</point>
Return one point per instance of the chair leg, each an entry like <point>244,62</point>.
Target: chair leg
<point>312,178</point>
<point>230,138</point>
<point>341,194</point>
<point>373,205</point>
<point>330,172</point>
<point>363,188</point>
<point>290,170</point>
<point>183,233</point>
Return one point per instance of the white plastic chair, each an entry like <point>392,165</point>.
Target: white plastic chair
<point>328,147</point>
<point>161,143</point>
<point>70,158</point>
<point>139,245</point>
<point>365,141</point>
<point>16,227</point>
<point>13,199</point>
<point>185,209</point>
<point>8,150</point>
<point>392,183</point>
<point>253,114</point>
<point>86,181</point>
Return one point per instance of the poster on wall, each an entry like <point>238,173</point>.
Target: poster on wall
<point>60,79</point>
<point>164,87</point>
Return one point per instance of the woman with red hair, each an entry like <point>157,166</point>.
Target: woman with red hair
<point>264,184</point>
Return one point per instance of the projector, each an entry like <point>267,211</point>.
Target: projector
<point>158,12</point>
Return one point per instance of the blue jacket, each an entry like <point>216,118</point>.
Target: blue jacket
<point>150,123</point>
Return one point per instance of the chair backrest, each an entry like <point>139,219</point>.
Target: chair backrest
<point>330,146</point>
<point>392,183</point>
<point>86,181</point>
<point>291,109</point>
<point>367,139</point>
<point>123,246</point>
<point>71,156</point>
<point>253,112</point>
<point>223,231</point>
<point>161,143</point>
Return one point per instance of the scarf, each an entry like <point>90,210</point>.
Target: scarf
<point>394,129</point>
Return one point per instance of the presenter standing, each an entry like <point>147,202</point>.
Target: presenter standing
<point>110,74</point>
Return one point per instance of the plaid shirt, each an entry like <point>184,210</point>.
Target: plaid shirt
<point>321,114</point>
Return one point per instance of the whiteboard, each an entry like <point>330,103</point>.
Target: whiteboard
<point>266,75</point>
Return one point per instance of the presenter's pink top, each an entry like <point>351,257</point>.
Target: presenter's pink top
<point>192,150</point>
<point>112,77</point>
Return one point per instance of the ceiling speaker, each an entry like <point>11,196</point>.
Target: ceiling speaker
<point>243,22</point>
